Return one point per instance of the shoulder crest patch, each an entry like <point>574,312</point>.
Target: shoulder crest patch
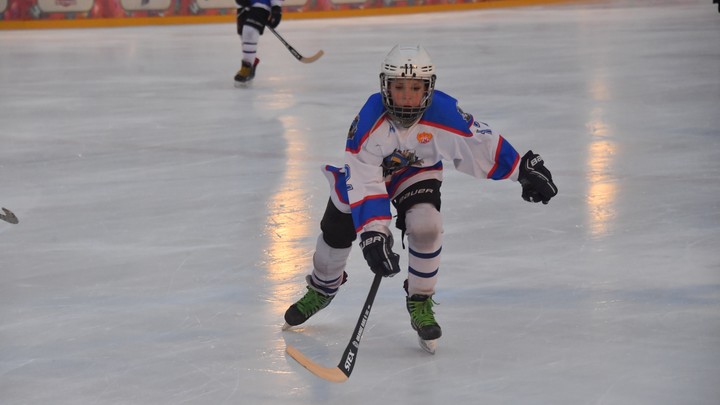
<point>353,127</point>
<point>424,137</point>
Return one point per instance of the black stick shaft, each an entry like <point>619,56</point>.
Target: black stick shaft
<point>347,362</point>
<point>292,50</point>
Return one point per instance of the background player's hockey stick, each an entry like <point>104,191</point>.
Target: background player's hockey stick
<point>295,53</point>
<point>342,372</point>
<point>8,216</point>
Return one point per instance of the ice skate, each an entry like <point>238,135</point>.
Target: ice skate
<point>307,306</point>
<point>422,320</point>
<point>246,73</point>
<point>428,345</point>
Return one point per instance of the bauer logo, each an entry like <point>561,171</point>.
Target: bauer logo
<point>413,193</point>
<point>371,240</point>
<point>424,137</point>
<point>535,161</point>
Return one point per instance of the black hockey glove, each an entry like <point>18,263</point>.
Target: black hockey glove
<point>275,16</point>
<point>377,249</point>
<point>536,180</point>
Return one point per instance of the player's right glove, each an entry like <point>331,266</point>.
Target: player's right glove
<point>377,249</point>
<point>536,180</point>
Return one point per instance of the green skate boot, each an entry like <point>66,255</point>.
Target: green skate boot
<point>422,319</point>
<point>307,306</point>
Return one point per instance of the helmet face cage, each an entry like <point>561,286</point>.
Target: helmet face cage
<point>402,63</point>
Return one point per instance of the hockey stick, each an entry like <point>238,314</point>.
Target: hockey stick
<point>295,53</point>
<point>347,362</point>
<point>9,216</point>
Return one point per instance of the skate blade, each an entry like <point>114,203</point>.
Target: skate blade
<point>242,85</point>
<point>428,345</point>
<point>286,326</point>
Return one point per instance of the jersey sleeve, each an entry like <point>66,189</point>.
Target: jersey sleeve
<point>492,156</point>
<point>367,194</point>
<point>472,146</point>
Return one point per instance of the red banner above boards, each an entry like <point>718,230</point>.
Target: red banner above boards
<point>18,14</point>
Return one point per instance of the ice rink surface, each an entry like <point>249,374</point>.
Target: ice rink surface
<point>168,219</point>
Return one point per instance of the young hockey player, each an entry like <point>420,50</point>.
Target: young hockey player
<point>394,154</point>
<point>252,17</point>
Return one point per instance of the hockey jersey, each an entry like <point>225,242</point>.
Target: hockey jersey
<point>443,133</point>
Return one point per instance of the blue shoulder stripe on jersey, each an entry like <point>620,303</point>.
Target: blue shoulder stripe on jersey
<point>506,159</point>
<point>367,118</point>
<point>445,113</point>
<point>370,209</point>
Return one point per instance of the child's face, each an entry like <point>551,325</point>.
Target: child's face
<point>407,92</point>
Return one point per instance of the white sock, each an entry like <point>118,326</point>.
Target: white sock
<point>329,265</point>
<point>250,38</point>
<point>424,232</point>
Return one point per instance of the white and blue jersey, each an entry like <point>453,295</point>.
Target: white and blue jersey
<point>443,133</point>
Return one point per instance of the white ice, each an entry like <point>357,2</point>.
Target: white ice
<point>167,219</point>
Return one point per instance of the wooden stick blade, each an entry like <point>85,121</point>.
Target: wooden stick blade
<point>292,50</point>
<point>311,59</point>
<point>333,374</point>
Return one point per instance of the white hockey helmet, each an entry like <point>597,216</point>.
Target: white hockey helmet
<point>407,62</point>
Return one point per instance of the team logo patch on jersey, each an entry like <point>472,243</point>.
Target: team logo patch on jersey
<point>424,137</point>
<point>353,127</point>
<point>399,160</point>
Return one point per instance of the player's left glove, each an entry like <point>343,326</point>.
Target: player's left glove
<point>377,249</point>
<point>275,16</point>
<point>536,180</point>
